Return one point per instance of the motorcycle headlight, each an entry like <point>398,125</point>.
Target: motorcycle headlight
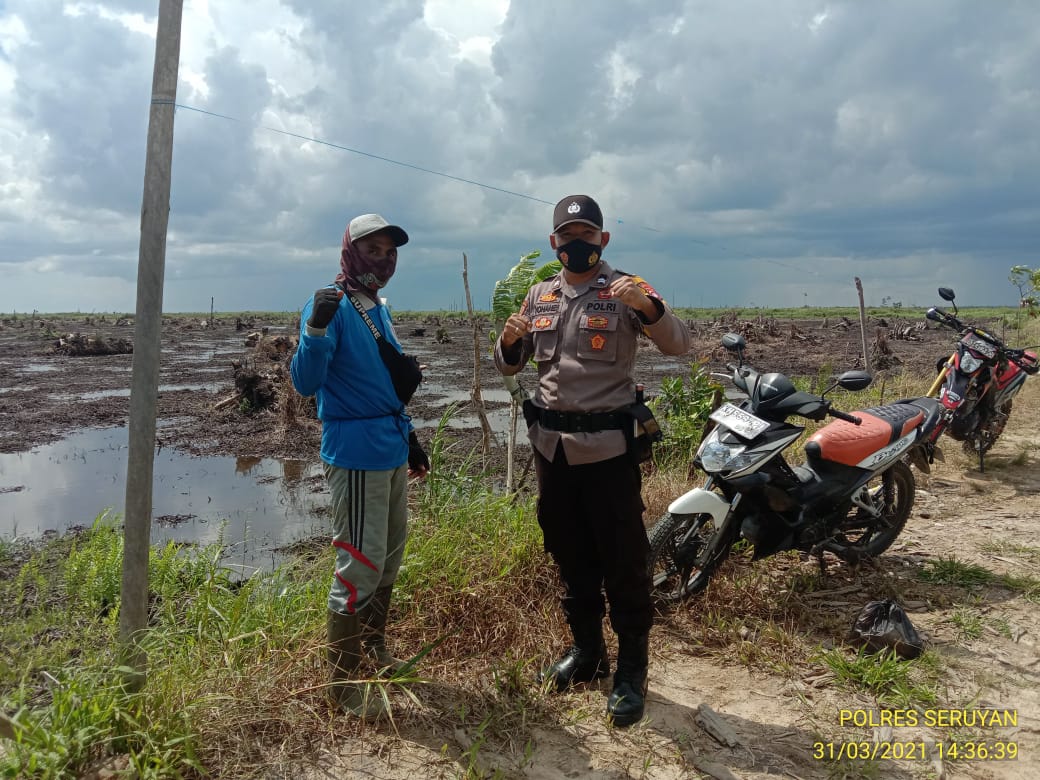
<point>969,363</point>
<point>716,456</point>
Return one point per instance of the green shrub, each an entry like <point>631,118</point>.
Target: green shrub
<point>682,410</point>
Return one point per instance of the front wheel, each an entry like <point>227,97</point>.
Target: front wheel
<point>981,440</point>
<point>685,550</point>
<point>876,516</point>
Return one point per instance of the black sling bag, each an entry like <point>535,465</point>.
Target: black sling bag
<point>405,374</point>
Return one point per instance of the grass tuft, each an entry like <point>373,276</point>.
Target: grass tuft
<point>892,681</point>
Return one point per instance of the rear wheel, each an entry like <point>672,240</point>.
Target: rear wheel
<point>870,529</point>
<point>685,550</point>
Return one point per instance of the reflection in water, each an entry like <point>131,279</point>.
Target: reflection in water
<point>249,504</point>
<point>246,463</point>
<point>293,470</point>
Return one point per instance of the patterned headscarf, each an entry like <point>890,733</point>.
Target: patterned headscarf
<point>361,274</point>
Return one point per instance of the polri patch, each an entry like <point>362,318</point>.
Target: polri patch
<point>598,341</point>
<point>645,287</point>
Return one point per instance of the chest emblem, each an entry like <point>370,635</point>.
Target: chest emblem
<point>598,323</point>
<point>543,322</point>
<point>604,295</point>
<point>598,341</point>
<point>549,297</point>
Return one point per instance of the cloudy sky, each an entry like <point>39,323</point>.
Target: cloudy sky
<point>744,153</point>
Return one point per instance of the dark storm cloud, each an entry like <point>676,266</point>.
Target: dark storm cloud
<point>217,166</point>
<point>764,152</point>
<point>895,114</point>
<point>84,84</point>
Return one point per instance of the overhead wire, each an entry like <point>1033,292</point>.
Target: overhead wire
<point>431,171</point>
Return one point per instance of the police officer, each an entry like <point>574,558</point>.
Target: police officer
<point>581,329</point>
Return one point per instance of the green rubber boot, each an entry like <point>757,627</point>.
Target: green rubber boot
<point>360,699</point>
<point>373,631</point>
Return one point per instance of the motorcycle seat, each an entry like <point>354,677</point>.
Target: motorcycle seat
<point>850,444</point>
<point>930,406</point>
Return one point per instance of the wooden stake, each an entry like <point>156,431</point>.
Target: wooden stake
<point>863,325</point>
<point>478,400</point>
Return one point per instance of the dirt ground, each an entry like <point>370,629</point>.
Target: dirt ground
<point>775,717</point>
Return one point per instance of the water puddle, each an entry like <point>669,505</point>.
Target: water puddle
<point>498,419</point>
<point>438,395</point>
<point>251,505</point>
<point>124,392</point>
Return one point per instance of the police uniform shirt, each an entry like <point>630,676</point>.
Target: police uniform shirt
<point>584,342</point>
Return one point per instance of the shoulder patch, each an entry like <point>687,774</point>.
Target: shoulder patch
<point>644,285</point>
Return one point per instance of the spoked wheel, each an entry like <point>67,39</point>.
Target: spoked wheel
<point>982,440</point>
<point>870,529</point>
<point>685,550</point>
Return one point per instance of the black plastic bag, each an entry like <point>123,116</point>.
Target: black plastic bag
<point>883,625</point>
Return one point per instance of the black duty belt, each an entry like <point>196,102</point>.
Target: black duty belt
<point>583,422</point>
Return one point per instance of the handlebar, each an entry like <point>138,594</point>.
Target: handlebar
<point>945,318</point>
<point>846,417</point>
<point>1027,363</point>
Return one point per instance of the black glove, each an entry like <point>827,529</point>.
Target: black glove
<point>326,303</point>
<point>417,459</point>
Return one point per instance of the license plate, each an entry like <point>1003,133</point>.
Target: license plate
<point>740,422</point>
<point>976,344</point>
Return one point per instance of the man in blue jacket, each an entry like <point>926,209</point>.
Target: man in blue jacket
<point>368,448</point>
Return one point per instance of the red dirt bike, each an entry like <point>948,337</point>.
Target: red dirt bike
<point>976,384</point>
<point>851,498</point>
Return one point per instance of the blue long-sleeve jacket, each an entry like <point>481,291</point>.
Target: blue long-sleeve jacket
<point>364,426</point>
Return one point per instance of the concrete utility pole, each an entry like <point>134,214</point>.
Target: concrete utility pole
<point>144,383</point>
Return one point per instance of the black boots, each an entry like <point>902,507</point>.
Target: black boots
<point>628,699</point>
<point>347,695</point>
<point>373,631</point>
<point>585,661</point>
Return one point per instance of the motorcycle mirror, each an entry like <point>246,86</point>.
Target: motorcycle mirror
<point>947,294</point>
<point>855,380</point>
<point>734,342</point>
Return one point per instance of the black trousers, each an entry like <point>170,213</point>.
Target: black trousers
<point>592,522</point>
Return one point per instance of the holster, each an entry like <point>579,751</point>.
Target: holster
<point>530,412</point>
<point>642,433</point>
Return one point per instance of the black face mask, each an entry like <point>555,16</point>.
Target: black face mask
<point>579,256</point>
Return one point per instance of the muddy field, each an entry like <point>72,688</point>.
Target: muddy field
<point>46,392</point>
<point>986,636</point>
